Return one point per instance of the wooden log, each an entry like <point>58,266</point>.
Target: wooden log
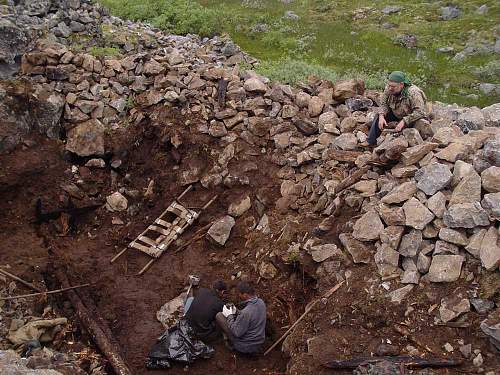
<point>89,320</point>
<point>308,308</point>
<point>44,293</point>
<point>345,156</point>
<point>221,92</point>
<point>351,180</point>
<point>25,283</point>
<point>407,361</point>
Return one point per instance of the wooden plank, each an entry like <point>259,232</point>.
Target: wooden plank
<point>147,240</point>
<point>140,247</point>
<point>160,230</point>
<point>164,223</point>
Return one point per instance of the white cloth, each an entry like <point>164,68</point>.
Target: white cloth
<point>228,310</point>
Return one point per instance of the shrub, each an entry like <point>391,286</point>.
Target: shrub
<point>173,16</point>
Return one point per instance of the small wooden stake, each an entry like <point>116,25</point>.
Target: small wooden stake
<point>25,283</point>
<point>42,293</point>
<point>309,308</point>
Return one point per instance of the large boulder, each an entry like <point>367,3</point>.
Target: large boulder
<point>433,177</point>
<point>492,115</point>
<point>14,41</point>
<point>471,119</point>
<point>445,268</point>
<point>348,89</point>
<point>86,138</point>
<point>219,232</point>
<point>417,215</point>
<point>490,250</point>
<point>368,227</point>
<point>465,215</point>
<point>491,179</point>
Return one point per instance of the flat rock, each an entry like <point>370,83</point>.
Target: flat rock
<point>490,250</point>
<point>410,243</point>
<point>255,85</point>
<point>482,306</point>
<point>468,189</point>
<point>86,138</point>
<point>491,203</point>
<point>219,232</point>
<point>400,193</point>
<point>491,327</point>
<point>465,215</point>
<point>359,252</point>
<point>452,307</point>
<point>453,236</point>
<point>240,206</point>
<point>443,247</point>
<point>346,141</point>
<point>445,268</point>
<point>116,202</point>
<point>460,170</point>
<point>315,106</point>
<point>267,270</point>
<point>387,260</point>
<point>437,204</point>
<point>453,152</point>
<point>12,364</point>
<point>423,263</point>
<point>433,177</point>
<point>417,215</point>
<point>95,163</point>
<point>392,215</point>
<point>392,235</point>
<point>397,296</point>
<point>320,253</point>
<point>413,154</point>
<point>474,246</point>
<point>491,179</point>
<point>368,227</point>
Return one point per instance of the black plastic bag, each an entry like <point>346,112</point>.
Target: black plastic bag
<point>177,344</point>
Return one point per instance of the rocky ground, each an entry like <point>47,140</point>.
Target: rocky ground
<point>101,145</point>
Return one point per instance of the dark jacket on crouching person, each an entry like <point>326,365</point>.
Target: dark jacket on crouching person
<point>201,314</point>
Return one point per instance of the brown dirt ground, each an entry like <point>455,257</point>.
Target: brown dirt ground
<point>351,323</point>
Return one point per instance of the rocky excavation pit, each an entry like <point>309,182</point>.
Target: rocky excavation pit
<point>95,148</point>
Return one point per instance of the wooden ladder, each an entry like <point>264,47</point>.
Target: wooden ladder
<point>164,230</point>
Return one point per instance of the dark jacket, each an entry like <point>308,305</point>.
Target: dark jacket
<point>201,314</point>
<point>248,326</point>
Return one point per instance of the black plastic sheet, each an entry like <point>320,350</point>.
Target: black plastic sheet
<point>177,344</point>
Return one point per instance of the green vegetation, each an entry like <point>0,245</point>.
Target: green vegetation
<point>346,39</point>
<point>174,16</point>
<point>104,51</point>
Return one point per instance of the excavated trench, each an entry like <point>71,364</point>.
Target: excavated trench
<point>48,226</point>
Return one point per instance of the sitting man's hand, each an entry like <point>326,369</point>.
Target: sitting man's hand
<point>381,122</point>
<point>400,126</point>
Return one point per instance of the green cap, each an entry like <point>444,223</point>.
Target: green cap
<point>399,77</point>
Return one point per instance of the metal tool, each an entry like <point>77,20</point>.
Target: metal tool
<point>193,281</point>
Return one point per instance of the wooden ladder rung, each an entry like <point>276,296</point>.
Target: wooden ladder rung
<point>160,230</point>
<point>164,223</point>
<point>140,247</point>
<point>147,240</point>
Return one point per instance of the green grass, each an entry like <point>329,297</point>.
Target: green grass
<point>104,51</point>
<point>330,42</point>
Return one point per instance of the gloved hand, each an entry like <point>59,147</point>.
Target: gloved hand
<point>228,310</point>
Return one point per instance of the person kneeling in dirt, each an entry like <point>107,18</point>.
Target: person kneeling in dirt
<point>402,102</point>
<point>244,329</point>
<point>200,311</point>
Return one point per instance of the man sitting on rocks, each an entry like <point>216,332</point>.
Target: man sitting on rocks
<point>200,311</point>
<point>245,329</point>
<point>402,102</point>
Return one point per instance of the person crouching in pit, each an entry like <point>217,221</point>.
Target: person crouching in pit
<point>244,330</point>
<point>402,102</point>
